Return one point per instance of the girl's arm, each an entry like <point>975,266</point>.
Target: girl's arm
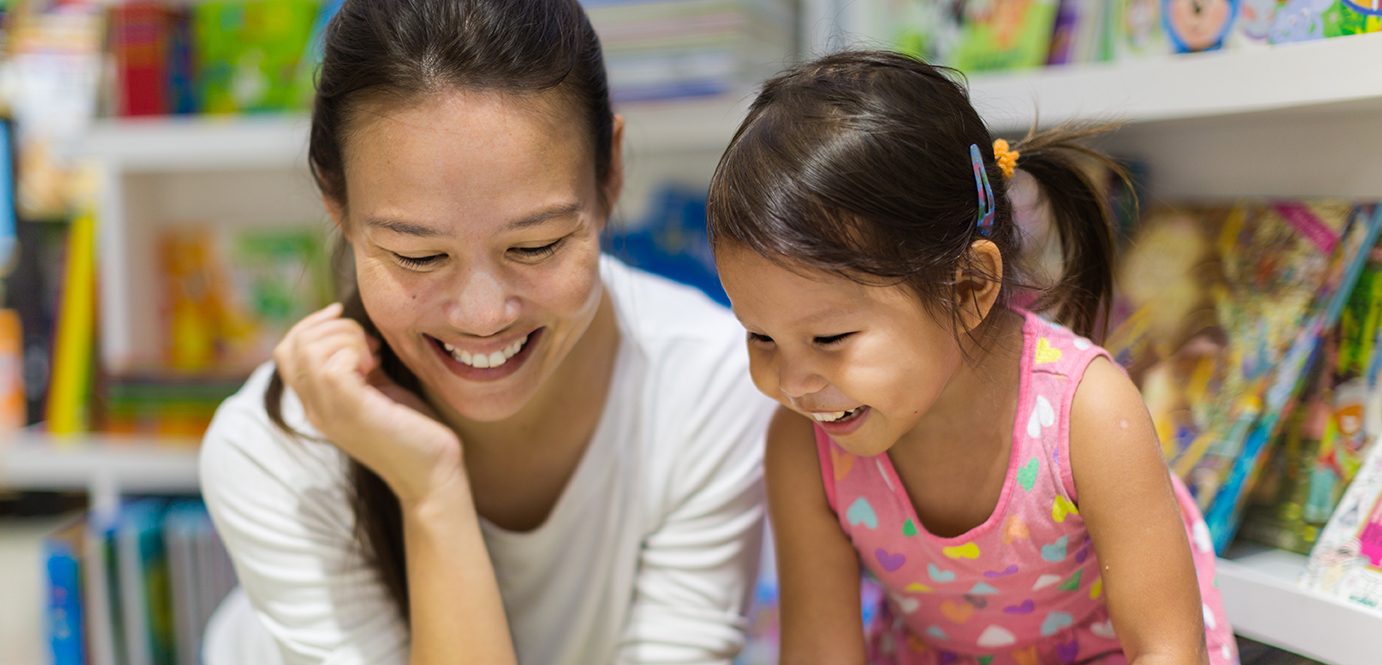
<point>1128,505</point>
<point>818,570</point>
<point>456,612</point>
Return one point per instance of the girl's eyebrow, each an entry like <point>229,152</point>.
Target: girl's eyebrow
<point>557,211</point>
<point>401,227</point>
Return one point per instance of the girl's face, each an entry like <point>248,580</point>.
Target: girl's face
<point>866,362</point>
<point>475,221</point>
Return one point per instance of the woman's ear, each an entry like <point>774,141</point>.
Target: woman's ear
<point>336,212</point>
<point>614,183</point>
<point>977,282</point>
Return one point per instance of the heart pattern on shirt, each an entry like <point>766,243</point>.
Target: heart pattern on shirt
<point>996,636</point>
<point>1043,415</point>
<point>860,512</point>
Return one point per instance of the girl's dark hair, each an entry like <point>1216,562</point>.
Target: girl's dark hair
<point>859,163</point>
<point>402,51</point>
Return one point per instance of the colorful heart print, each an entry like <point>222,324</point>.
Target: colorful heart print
<point>1045,581</point>
<point>860,512</point>
<point>1043,415</point>
<point>937,632</point>
<point>1014,529</point>
<point>1054,622</point>
<point>909,529</point>
<point>957,612</point>
<point>1045,353</point>
<point>918,587</point>
<point>1025,656</point>
<point>1055,552</point>
<point>1067,652</point>
<point>1061,507</point>
<point>938,575</point>
<point>907,605</point>
<point>890,562</point>
<point>965,551</point>
<point>1027,474</point>
<point>841,462</point>
<point>994,637</point>
<point>1025,607</point>
<point>995,574</point>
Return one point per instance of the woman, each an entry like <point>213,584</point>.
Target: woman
<point>503,447</point>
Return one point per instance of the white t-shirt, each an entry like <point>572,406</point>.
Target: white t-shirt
<point>647,557</point>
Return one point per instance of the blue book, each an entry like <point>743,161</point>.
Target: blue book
<point>62,554</point>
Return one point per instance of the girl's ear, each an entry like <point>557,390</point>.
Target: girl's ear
<point>977,282</point>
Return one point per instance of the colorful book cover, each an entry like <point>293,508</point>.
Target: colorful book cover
<point>1198,25</point>
<point>1218,310</point>
<point>249,52</point>
<point>62,554</point>
<point>1003,34</point>
<point>140,45</point>
<point>1346,563</point>
<point>146,606</point>
<point>182,73</point>
<point>105,639</point>
<point>73,376</point>
<point>1137,29</point>
<point>1307,20</point>
<point>12,406</point>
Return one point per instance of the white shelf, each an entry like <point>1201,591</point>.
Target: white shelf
<point>244,142</point>
<point>1264,603</point>
<point>1321,75</point>
<point>104,466</point>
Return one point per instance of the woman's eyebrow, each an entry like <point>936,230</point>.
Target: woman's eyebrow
<point>402,227</point>
<point>555,212</point>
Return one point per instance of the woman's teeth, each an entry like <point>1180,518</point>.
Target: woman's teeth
<point>836,416</point>
<point>485,361</point>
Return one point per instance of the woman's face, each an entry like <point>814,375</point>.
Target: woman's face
<point>475,222</point>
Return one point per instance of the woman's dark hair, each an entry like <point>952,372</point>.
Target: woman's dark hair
<point>402,51</point>
<point>859,163</point>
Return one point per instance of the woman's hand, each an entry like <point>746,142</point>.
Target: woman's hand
<point>333,366</point>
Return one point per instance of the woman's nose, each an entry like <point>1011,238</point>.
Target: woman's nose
<point>481,304</point>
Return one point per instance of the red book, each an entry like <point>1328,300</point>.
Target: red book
<point>139,39</point>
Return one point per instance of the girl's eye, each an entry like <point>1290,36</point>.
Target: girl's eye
<point>832,340</point>
<point>418,262</point>
<point>755,338</point>
<point>533,253</point>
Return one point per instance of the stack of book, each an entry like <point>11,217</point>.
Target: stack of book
<point>978,35</point>
<point>135,588</point>
<point>675,49</point>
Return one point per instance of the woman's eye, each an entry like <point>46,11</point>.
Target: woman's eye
<point>542,252</point>
<point>755,338</point>
<point>418,262</point>
<point>832,339</point>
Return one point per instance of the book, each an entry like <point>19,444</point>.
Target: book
<point>62,552</point>
<point>1346,562</point>
<point>248,53</point>
<point>1217,313</point>
<point>71,389</point>
<point>12,406</point>
<point>1308,20</point>
<point>1136,29</point>
<point>1002,35</point>
<point>105,638</point>
<point>139,44</point>
<point>1198,25</point>
<point>143,579</point>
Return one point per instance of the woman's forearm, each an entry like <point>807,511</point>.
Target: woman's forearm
<point>457,614</point>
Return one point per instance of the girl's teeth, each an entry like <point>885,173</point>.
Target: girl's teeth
<point>827,417</point>
<point>496,359</point>
<point>449,349</point>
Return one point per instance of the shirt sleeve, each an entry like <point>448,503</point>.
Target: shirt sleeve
<point>281,505</point>
<point>698,565</point>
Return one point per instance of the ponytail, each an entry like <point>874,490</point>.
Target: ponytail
<point>1082,297</point>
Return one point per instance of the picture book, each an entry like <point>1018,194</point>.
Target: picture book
<point>1218,309</point>
<point>1136,29</point>
<point>1002,34</point>
<point>62,554</point>
<point>1346,562</point>
<point>248,52</point>
<point>1307,20</point>
<point>1198,25</point>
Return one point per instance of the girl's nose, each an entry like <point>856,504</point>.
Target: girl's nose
<point>481,304</point>
<point>796,380</point>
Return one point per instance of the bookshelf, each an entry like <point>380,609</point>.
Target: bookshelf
<point>103,466</point>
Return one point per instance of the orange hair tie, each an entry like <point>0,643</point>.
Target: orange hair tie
<point>1005,157</point>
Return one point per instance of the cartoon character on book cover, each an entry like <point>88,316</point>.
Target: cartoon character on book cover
<point>1198,25</point>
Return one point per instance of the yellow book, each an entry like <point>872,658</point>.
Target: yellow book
<point>69,394</point>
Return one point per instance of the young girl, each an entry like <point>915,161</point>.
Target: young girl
<point>995,471</point>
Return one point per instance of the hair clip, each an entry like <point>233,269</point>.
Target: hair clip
<point>981,183</point>
<point>1005,157</point>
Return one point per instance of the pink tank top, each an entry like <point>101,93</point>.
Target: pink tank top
<point>1024,586</point>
